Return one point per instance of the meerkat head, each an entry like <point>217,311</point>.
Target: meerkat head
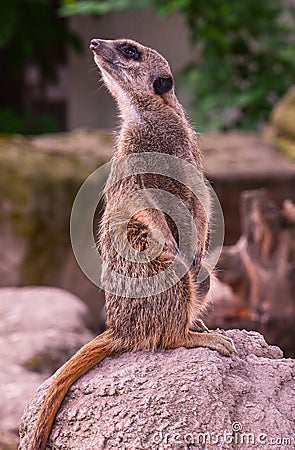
<point>133,73</point>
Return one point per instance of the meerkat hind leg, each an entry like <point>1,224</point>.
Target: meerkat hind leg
<point>223,344</point>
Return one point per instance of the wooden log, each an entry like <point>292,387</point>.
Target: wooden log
<point>260,268</point>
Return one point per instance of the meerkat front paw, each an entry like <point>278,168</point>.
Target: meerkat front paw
<point>223,344</point>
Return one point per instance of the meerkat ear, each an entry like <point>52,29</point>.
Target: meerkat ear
<point>162,85</point>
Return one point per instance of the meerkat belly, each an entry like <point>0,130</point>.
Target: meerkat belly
<point>149,322</point>
<point>147,301</point>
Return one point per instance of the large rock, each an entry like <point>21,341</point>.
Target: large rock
<point>40,328</point>
<point>178,399</point>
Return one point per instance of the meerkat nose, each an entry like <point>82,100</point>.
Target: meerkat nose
<point>94,43</point>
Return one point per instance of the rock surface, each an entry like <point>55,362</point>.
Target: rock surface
<point>40,328</point>
<point>179,399</point>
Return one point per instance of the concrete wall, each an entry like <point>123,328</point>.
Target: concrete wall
<point>88,103</point>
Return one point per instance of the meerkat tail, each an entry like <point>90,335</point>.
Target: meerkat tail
<point>86,358</point>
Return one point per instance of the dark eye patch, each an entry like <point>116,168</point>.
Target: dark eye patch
<point>162,85</point>
<point>129,51</point>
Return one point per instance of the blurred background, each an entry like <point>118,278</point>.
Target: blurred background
<point>233,62</point>
<point>234,66</point>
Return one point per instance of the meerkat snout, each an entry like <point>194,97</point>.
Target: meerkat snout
<point>94,43</point>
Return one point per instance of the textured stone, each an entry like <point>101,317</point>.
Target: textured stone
<point>170,399</point>
<point>40,328</point>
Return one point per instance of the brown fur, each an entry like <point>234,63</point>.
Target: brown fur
<point>151,122</point>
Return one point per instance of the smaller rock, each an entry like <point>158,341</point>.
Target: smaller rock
<point>40,328</point>
<point>8,441</point>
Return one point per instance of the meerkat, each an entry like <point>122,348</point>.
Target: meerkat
<point>152,120</point>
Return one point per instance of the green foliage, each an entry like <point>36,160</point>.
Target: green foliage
<point>70,7</point>
<point>246,54</point>
<point>12,122</point>
<point>247,57</point>
<point>30,33</point>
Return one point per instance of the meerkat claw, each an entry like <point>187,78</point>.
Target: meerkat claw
<point>199,326</point>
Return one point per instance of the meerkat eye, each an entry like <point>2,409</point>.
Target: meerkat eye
<point>129,51</point>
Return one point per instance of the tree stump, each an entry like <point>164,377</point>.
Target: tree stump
<point>260,269</point>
